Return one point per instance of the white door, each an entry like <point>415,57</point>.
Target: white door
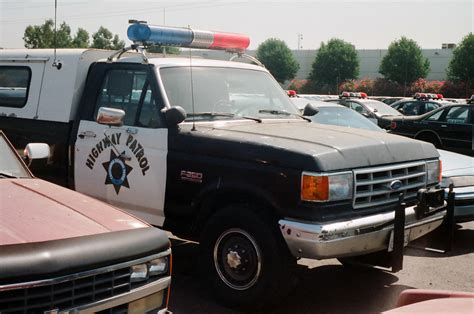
<point>125,166</point>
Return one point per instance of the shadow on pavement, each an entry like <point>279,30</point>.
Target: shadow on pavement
<point>325,288</point>
<point>462,243</point>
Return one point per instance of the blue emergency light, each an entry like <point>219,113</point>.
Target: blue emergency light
<point>142,33</point>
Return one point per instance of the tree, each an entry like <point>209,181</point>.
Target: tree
<point>404,62</point>
<point>461,67</point>
<point>335,62</point>
<point>42,36</point>
<point>278,59</point>
<point>104,39</point>
<point>81,40</point>
<point>159,49</point>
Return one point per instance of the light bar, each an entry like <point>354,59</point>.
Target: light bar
<point>141,33</point>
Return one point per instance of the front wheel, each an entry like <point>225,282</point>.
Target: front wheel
<point>244,258</point>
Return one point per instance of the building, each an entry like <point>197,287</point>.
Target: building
<point>369,61</point>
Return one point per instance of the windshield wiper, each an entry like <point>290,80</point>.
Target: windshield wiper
<point>8,175</point>
<point>222,114</point>
<point>282,112</point>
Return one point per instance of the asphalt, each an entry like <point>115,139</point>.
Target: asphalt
<point>328,287</point>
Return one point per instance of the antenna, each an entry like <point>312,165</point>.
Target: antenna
<point>192,88</point>
<point>56,64</point>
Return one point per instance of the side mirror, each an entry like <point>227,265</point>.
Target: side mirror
<point>401,110</point>
<point>310,110</point>
<point>36,151</point>
<point>174,115</point>
<point>110,116</point>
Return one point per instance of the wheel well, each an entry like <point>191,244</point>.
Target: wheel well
<point>428,134</point>
<point>221,199</point>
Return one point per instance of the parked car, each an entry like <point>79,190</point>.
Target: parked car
<point>419,104</point>
<point>449,127</point>
<point>62,251</point>
<point>335,114</point>
<point>391,100</point>
<point>376,111</point>
<point>457,169</point>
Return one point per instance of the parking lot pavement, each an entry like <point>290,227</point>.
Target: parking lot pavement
<point>328,287</point>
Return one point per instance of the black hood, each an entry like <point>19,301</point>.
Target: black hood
<point>299,145</point>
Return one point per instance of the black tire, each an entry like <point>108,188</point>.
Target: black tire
<point>430,138</point>
<point>245,259</point>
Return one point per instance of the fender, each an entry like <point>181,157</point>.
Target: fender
<point>428,131</point>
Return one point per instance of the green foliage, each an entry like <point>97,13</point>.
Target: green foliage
<point>104,39</point>
<point>81,40</point>
<point>159,49</point>
<point>335,62</point>
<point>42,36</point>
<point>278,59</point>
<point>461,67</point>
<point>404,62</point>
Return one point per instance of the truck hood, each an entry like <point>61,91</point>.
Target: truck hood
<point>33,210</point>
<point>306,146</point>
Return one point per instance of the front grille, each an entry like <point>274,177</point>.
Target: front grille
<point>66,294</point>
<point>372,185</point>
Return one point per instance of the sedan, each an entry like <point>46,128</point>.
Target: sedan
<point>449,127</point>
<point>374,110</point>
<point>416,107</point>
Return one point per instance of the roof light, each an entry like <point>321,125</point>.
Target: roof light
<point>291,93</point>
<point>439,96</point>
<point>142,33</point>
<point>363,95</point>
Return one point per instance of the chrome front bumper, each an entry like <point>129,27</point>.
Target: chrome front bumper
<point>353,237</point>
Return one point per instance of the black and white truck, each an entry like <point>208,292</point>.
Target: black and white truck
<point>214,151</point>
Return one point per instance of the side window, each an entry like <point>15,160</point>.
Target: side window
<point>429,106</point>
<point>457,115</point>
<point>435,116</point>
<point>130,91</point>
<point>358,107</point>
<point>14,86</point>
<point>412,108</point>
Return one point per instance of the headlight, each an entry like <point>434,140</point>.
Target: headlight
<point>323,187</point>
<point>433,172</point>
<point>142,272</point>
<point>158,266</point>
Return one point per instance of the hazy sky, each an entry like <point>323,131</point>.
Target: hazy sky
<point>366,24</point>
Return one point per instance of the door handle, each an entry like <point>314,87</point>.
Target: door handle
<point>87,134</point>
<point>444,126</point>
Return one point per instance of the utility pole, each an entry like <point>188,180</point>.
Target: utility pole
<point>300,41</point>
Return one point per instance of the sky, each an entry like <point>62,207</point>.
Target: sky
<point>366,24</point>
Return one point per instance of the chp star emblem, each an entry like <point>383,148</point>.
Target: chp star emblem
<point>117,172</point>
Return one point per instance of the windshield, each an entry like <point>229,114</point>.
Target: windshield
<point>343,117</point>
<point>226,93</point>
<point>382,108</point>
<point>10,166</point>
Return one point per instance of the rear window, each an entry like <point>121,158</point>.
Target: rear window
<point>14,86</point>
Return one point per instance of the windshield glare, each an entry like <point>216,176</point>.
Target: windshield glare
<point>9,164</point>
<point>232,92</point>
<point>382,108</point>
<point>343,117</point>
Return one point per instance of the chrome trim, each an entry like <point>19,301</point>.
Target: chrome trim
<point>354,237</point>
<point>132,295</point>
<point>51,281</point>
<point>358,201</point>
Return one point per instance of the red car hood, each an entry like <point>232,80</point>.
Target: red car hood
<point>33,210</point>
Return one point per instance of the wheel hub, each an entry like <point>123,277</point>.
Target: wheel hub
<point>233,259</point>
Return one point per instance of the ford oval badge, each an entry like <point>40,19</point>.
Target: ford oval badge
<point>395,185</point>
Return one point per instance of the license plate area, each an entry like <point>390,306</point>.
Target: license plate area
<point>406,239</point>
